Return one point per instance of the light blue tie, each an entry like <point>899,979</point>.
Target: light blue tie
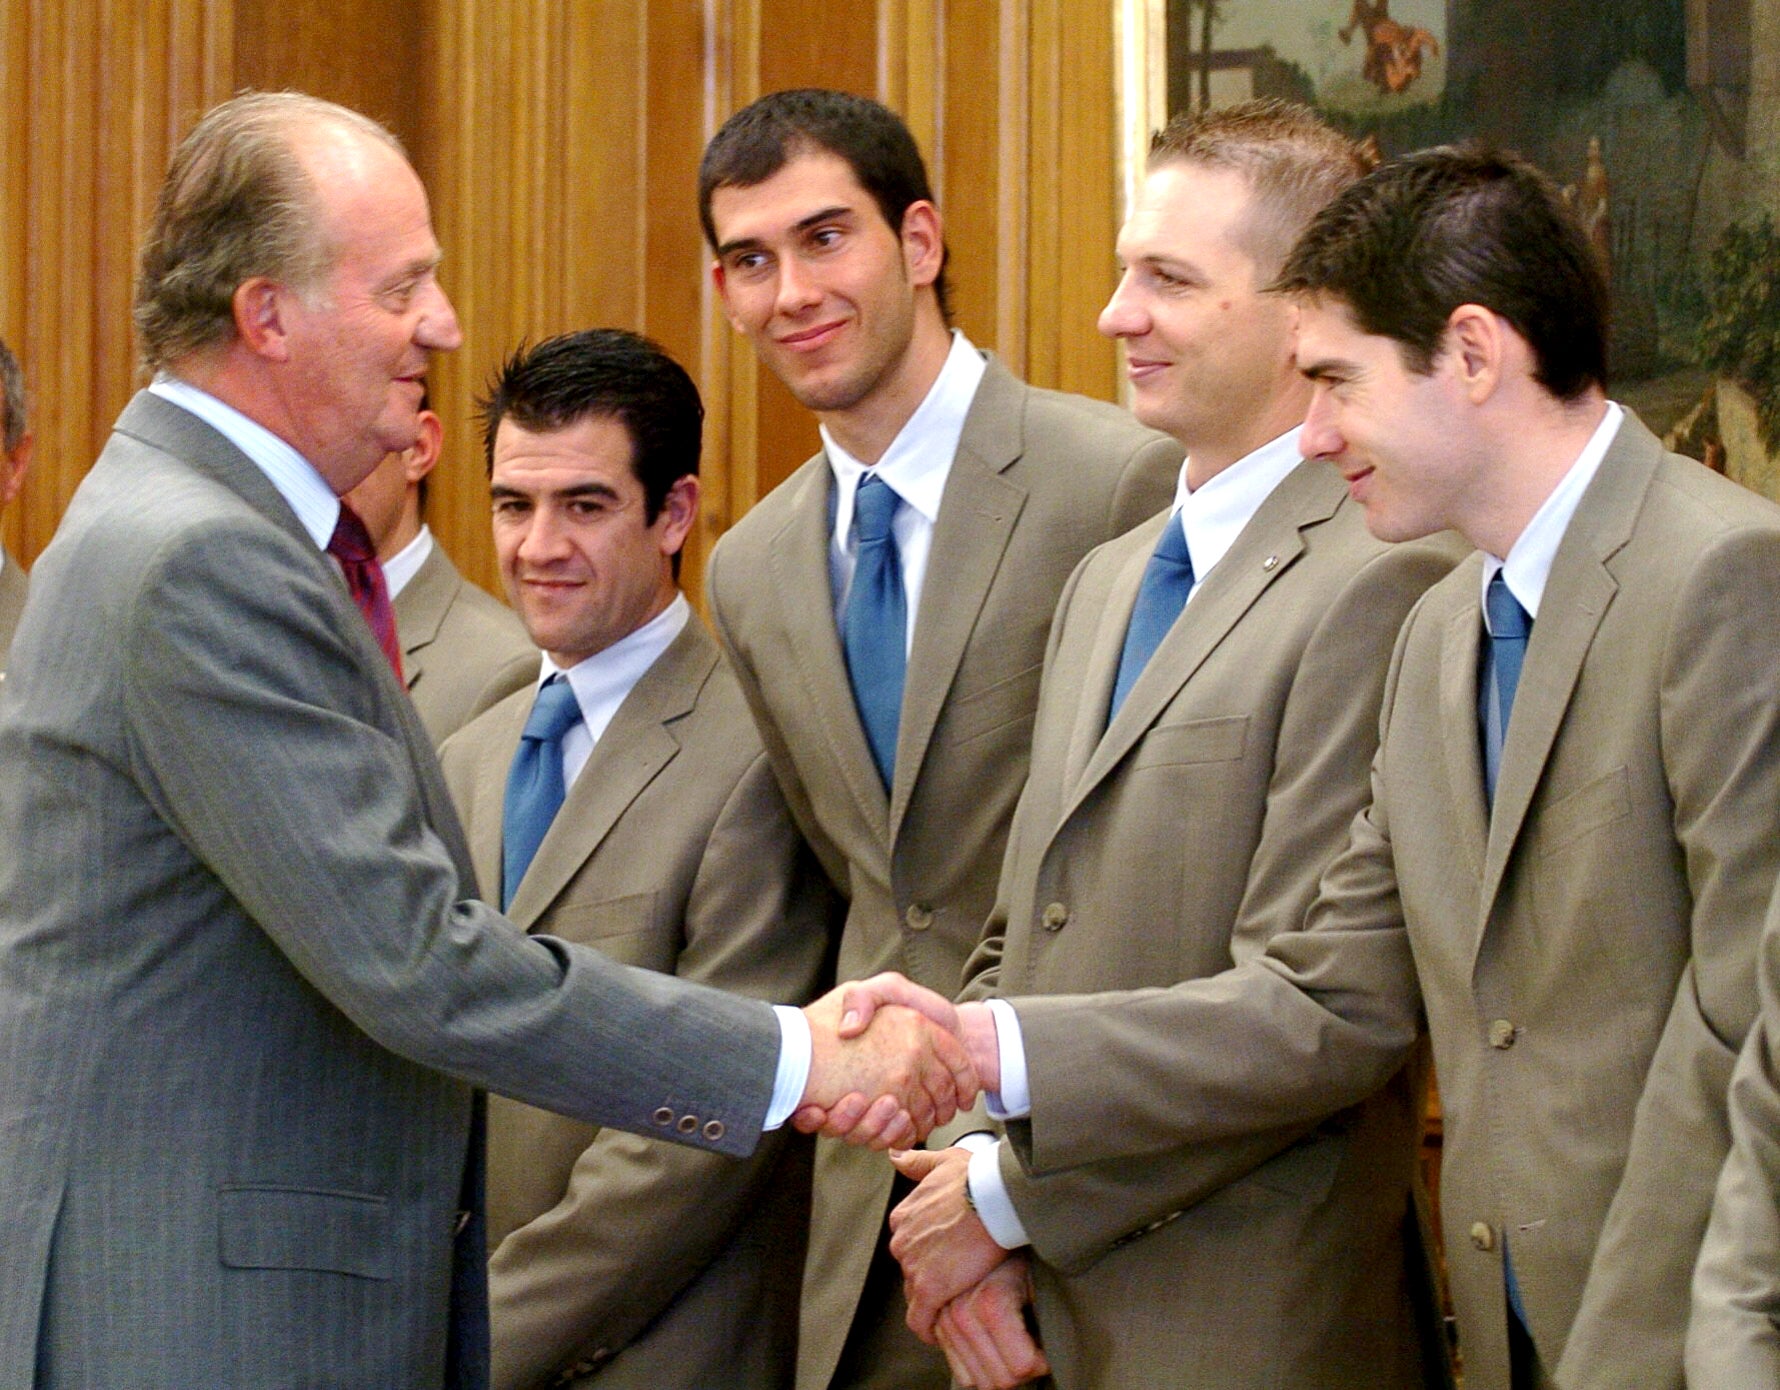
<point>874,627</point>
<point>1167,581</point>
<point>534,782</point>
<point>1509,628</point>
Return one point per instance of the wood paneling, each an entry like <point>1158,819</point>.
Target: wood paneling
<point>560,142</point>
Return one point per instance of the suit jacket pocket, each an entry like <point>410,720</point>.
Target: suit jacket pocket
<point>1301,1175</point>
<point>1606,799</point>
<point>985,711</point>
<point>305,1228</point>
<point>1194,741</point>
<point>609,917</point>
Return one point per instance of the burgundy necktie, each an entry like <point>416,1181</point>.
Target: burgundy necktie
<point>351,546</point>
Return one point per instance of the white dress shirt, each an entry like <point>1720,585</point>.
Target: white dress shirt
<point>406,562</point>
<point>1211,516</point>
<point>915,467</point>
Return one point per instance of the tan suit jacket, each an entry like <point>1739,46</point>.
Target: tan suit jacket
<point>1165,846</point>
<point>13,585</point>
<point>1039,479</point>
<point>1584,954</point>
<point>614,1257</point>
<point>462,650</point>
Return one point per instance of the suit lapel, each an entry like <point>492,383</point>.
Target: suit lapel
<point>484,816</point>
<point>978,511</point>
<point>634,749</point>
<point>1460,648</point>
<point>1577,596</point>
<point>1101,669</point>
<point>1267,548</point>
<point>421,606</point>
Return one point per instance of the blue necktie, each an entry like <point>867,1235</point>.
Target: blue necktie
<point>534,783</point>
<point>1167,580</point>
<point>1509,628</point>
<point>874,627</point>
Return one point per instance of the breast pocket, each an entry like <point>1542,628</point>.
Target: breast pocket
<point>1006,704</point>
<point>1218,740</point>
<point>303,1228</point>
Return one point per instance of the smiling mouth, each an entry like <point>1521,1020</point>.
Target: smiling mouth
<point>810,338</point>
<point>1137,368</point>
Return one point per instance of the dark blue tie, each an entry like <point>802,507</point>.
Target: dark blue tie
<point>1509,628</point>
<point>874,627</point>
<point>534,782</point>
<point>1167,580</point>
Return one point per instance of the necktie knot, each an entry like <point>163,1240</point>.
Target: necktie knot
<point>351,542</point>
<point>554,712</point>
<point>351,547</point>
<point>874,508</point>
<point>1167,583</point>
<point>1509,627</point>
<point>1508,620</point>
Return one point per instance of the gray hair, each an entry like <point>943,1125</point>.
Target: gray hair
<point>236,204</point>
<point>13,400</point>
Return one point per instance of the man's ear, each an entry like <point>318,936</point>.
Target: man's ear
<point>13,465</point>
<point>258,306</point>
<point>679,509</point>
<point>423,454</point>
<point>923,242</point>
<point>1477,339</point>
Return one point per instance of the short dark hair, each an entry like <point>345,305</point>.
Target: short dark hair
<point>14,404</point>
<point>1293,162</point>
<point>603,372</point>
<point>1461,224</point>
<point>764,136</point>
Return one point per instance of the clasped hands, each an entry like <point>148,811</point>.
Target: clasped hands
<point>965,1292</point>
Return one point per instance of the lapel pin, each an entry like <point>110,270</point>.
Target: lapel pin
<point>1270,563</point>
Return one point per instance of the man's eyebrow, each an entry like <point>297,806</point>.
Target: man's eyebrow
<point>502,491</point>
<point>729,248</point>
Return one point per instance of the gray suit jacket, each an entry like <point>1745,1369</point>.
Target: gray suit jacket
<point>1584,954</point>
<point>1164,847</point>
<point>245,988</point>
<point>627,1262</point>
<point>462,649</point>
<point>13,585</point>
<point>1039,479</point>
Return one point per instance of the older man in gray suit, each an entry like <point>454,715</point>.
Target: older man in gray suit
<point>15,458</point>
<point>246,991</point>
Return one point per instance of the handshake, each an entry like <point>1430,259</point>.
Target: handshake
<point>891,1060</point>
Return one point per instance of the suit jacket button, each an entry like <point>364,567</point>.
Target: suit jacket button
<point>663,1116</point>
<point>713,1130</point>
<point>918,917</point>
<point>1502,1033</point>
<point>1055,915</point>
<point>1482,1236</point>
<point>687,1124</point>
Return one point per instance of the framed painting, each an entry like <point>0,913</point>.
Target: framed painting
<point>1659,118</point>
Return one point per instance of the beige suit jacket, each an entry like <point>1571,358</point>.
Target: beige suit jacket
<point>1039,479</point>
<point>462,650</point>
<point>1584,954</point>
<point>614,1257</point>
<point>1163,847</point>
<point>13,585</point>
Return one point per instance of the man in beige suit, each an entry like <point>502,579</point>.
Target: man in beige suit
<point>619,1261</point>
<point>15,458</point>
<point>1170,837</point>
<point>1581,943</point>
<point>462,650</point>
<point>829,258</point>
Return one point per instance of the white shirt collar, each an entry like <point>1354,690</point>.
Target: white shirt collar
<point>1528,564</point>
<point>603,681</point>
<point>406,562</point>
<point>919,459</point>
<point>294,476</point>
<point>1213,515</point>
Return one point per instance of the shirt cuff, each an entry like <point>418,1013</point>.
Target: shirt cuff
<point>793,1074</point>
<point>1014,1100</point>
<point>988,1194</point>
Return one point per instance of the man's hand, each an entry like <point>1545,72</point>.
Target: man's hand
<point>941,1244</point>
<point>983,1331</point>
<point>916,1070</point>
